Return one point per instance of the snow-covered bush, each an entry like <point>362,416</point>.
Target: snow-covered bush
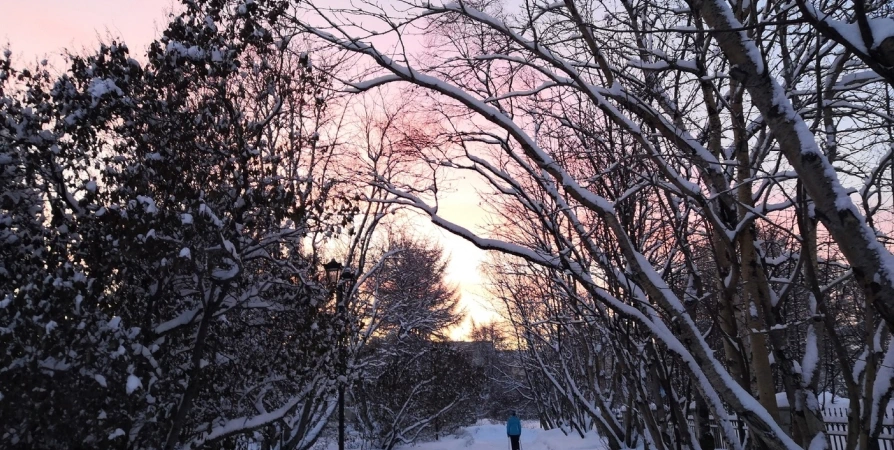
<point>157,289</point>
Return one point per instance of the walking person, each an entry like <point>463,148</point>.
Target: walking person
<point>513,429</point>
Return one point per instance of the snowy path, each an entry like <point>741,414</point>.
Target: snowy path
<point>493,437</point>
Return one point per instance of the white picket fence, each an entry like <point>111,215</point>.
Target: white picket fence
<point>836,428</point>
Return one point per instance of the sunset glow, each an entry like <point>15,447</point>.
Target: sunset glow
<point>259,223</point>
<point>45,28</point>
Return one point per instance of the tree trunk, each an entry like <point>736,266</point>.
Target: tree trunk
<point>871,262</point>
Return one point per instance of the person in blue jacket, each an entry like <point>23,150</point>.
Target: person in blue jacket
<point>513,429</point>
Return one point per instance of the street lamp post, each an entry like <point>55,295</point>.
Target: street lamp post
<point>334,271</point>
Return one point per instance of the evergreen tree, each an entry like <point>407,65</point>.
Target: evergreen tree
<point>415,384</point>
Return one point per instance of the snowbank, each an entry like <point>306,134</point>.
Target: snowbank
<point>826,400</point>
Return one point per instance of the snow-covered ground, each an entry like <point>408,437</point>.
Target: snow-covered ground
<point>485,436</point>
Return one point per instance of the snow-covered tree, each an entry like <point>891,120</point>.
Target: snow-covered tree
<point>701,180</point>
<point>411,290</point>
<point>505,386</point>
<point>413,383</point>
<point>415,389</point>
<point>161,224</point>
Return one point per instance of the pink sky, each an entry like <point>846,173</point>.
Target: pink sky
<point>39,28</point>
<point>43,28</point>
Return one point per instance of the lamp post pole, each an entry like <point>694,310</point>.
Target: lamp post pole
<point>334,271</point>
<point>339,297</point>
